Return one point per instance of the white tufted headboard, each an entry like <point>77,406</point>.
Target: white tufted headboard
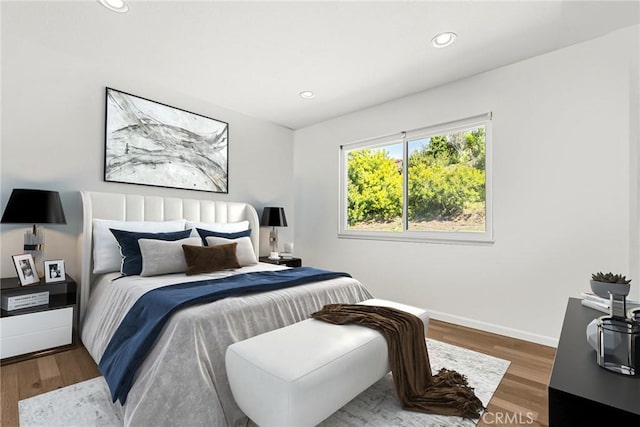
<point>131,207</point>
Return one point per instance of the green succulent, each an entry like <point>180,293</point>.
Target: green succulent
<point>610,278</point>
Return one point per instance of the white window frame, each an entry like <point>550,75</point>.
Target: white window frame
<point>420,236</point>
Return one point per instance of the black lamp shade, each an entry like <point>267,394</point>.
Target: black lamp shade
<point>273,217</point>
<point>27,206</point>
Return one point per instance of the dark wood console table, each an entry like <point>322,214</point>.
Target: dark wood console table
<point>580,391</point>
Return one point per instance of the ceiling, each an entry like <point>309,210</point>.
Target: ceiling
<point>255,57</point>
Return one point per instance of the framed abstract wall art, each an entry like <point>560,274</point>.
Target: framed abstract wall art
<point>150,143</point>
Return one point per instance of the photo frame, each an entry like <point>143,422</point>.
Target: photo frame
<point>150,143</point>
<point>26,269</point>
<point>54,271</point>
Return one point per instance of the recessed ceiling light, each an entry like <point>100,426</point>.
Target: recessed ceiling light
<point>307,94</point>
<point>443,39</point>
<point>115,5</point>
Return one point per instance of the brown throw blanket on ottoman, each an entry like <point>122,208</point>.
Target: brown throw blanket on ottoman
<point>446,393</point>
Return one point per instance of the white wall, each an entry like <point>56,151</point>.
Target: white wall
<point>53,137</point>
<point>564,191</point>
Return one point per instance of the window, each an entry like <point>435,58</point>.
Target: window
<point>427,184</point>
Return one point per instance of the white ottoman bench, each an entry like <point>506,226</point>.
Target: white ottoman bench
<point>301,374</point>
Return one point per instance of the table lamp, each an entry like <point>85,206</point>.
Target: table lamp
<point>273,217</point>
<point>27,206</point>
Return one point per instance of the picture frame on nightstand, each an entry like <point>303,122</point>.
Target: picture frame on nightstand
<point>54,271</point>
<point>26,269</point>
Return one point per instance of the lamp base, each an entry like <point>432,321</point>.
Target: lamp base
<point>273,240</point>
<point>34,245</point>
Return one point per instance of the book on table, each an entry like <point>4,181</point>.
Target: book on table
<point>16,302</point>
<point>603,304</point>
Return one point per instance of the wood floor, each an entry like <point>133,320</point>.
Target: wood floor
<point>521,398</point>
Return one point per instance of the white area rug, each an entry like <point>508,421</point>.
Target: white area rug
<point>89,404</point>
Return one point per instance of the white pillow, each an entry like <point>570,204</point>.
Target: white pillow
<point>164,257</point>
<point>244,250</point>
<point>220,227</point>
<point>106,252</point>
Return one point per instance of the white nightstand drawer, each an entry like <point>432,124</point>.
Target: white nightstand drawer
<point>35,331</point>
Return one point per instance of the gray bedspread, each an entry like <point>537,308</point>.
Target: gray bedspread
<point>183,380</point>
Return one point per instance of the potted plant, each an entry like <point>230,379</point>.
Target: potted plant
<point>603,284</point>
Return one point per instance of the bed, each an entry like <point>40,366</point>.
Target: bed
<point>183,380</point>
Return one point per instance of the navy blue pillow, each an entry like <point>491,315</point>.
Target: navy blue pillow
<point>206,233</point>
<point>130,249</point>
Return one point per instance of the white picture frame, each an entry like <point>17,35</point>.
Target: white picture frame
<point>54,271</point>
<point>26,269</point>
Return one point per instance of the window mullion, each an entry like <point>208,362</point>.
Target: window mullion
<point>405,182</point>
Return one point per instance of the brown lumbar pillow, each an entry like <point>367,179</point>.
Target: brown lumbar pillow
<point>207,259</point>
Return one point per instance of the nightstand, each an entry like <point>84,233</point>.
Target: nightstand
<point>26,331</point>
<point>289,262</point>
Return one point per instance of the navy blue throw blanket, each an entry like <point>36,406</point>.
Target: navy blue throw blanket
<point>139,329</point>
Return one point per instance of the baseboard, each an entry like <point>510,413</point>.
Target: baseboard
<point>495,329</point>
